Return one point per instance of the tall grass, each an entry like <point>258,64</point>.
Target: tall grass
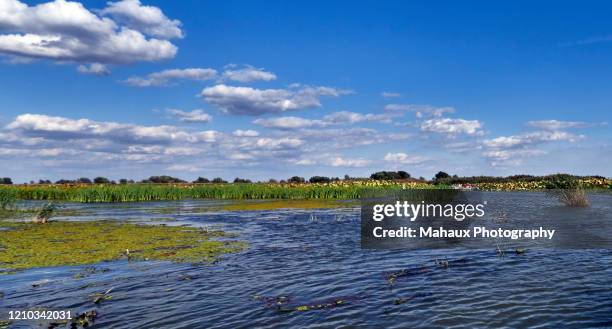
<point>8,197</point>
<point>571,197</point>
<point>153,192</point>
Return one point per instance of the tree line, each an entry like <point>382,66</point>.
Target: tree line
<point>439,178</point>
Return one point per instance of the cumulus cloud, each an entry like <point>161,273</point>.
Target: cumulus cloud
<point>151,20</point>
<point>63,30</point>
<point>60,128</point>
<point>289,122</point>
<point>403,158</point>
<point>342,162</point>
<point>531,138</point>
<point>195,116</point>
<point>165,77</point>
<point>420,111</point>
<point>247,73</point>
<point>557,125</point>
<point>252,101</point>
<point>346,117</point>
<point>245,133</point>
<point>452,127</point>
<point>94,69</point>
<point>336,118</point>
<point>509,150</point>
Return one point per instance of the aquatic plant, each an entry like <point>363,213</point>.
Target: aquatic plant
<point>28,245</point>
<point>575,197</point>
<point>45,213</point>
<point>8,197</point>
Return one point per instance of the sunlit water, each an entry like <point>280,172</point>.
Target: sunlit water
<point>315,256</point>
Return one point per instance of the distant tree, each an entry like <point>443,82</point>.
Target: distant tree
<point>403,175</point>
<point>347,177</point>
<point>101,180</point>
<point>239,180</point>
<point>319,179</point>
<point>219,180</point>
<point>123,181</point>
<point>44,181</point>
<point>83,180</point>
<point>201,180</point>
<point>441,175</point>
<point>6,181</point>
<point>296,179</point>
<point>163,180</point>
<point>390,175</point>
<point>272,181</point>
<point>64,181</point>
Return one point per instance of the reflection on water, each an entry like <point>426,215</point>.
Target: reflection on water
<point>314,255</point>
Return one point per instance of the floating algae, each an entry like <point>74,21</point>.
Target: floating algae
<point>393,276</point>
<point>29,245</point>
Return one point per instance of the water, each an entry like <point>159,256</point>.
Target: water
<point>315,256</point>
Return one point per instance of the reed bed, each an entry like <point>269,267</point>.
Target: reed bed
<point>340,190</point>
<point>155,192</point>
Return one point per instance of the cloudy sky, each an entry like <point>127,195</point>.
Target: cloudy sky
<point>275,89</point>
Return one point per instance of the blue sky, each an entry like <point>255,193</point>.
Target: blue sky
<point>273,89</point>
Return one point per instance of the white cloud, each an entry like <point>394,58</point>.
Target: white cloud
<point>63,30</point>
<point>420,111</point>
<point>164,78</point>
<point>342,162</point>
<point>245,133</point>
<point>151,20</point>
<point>335,118</point>
<point>387,94</point>
<point>184,168</point>
<point>557,125</point>
<point>59,128</point>
<point>248,74</point>
<point>289,122</point>
<point>94,69</point>
<point>452,127</point>
<point>252,101</point>
<point>404,158</point>
<point>346,117</point>
<point>516,141</point>
<point>195,116</point>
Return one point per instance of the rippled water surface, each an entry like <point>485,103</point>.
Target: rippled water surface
<point>314,256</point>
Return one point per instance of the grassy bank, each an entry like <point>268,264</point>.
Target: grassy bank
<point>340,190</point>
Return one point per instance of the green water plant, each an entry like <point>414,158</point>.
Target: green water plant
<point>59,243</point>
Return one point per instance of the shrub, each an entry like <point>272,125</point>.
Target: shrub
<point>440,176</point>
<point>101,180</point>
<point>319,179</point>
<point>390,175</point>
<point>296,179</point>
<point>163,180</point>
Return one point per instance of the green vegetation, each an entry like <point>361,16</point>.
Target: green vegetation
<point>151,192</point>
<point>28,245</point>
<point>318,187</point>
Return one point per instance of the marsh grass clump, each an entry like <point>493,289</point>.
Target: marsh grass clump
<point>8,198</point>
<point>571,197</point>
<point>45,213</point>
<point>29,245</point>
